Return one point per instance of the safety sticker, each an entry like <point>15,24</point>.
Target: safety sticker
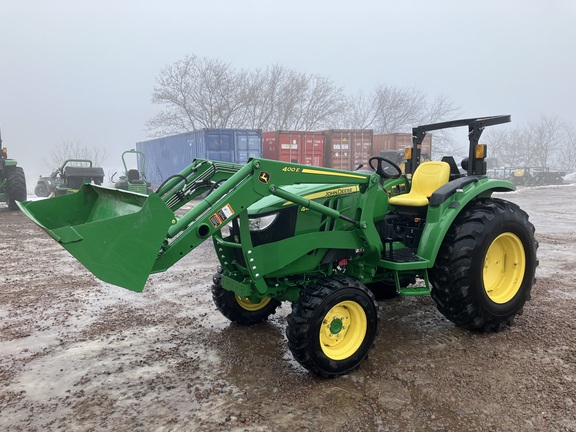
<point>221,215</point>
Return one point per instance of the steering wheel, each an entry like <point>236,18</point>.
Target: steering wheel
<point>385,168</point>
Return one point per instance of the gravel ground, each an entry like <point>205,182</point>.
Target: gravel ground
<point>81,355</point>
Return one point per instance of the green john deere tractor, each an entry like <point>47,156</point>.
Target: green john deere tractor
<point>12,180</point>
<point>319,238</point>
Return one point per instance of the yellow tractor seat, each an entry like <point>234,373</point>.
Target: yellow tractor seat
<point>428,177</point>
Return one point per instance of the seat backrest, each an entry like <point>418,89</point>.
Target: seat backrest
<point>133,175</point>
<point>454,171</point>
<point>429,176</point>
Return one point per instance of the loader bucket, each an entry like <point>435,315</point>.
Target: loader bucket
<point>115,234</point>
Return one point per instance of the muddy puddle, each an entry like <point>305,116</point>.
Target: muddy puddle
<point>81,355</point>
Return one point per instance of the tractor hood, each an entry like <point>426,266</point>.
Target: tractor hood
<point>308,191</point>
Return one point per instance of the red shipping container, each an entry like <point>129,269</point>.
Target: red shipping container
<point>348,148</point>
<point>399,141</point>
<point>301,147</point>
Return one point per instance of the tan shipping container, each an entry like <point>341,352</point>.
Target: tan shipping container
<point>399,141</point>
<point>348,148</point>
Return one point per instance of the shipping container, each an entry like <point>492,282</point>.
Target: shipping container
<point>399,141</point>
<point>167,156</point>
<point>301,147</point>
<point>348,148</point>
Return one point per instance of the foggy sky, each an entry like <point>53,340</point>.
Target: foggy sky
<point>74,70</point>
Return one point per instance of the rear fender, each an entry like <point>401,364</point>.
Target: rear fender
<point>447,203</point>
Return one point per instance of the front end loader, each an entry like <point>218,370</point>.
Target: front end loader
<point>325,240</point>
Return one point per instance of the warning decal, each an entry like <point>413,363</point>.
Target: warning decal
<point>221,215</point>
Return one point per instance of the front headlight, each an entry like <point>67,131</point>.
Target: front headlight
<point>261,223</point>
<point>229,227</point>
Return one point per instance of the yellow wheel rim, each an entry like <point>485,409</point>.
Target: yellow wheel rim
<point>504,268</point>
<point>343,330</point>
<point>245,303</point>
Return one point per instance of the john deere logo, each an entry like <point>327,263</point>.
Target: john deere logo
<point>264,177</point>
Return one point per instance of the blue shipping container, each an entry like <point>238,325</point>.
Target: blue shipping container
<point>169,155</point>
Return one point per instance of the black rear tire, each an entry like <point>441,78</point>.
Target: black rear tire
<point>240,309</point>
<point>15,186</point>
<point>332,326</point>
<point>41,190</point>
<point>485,268</point>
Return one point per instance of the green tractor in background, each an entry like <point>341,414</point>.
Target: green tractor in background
<point>68,178</point>
<point>320,238</point>
<point>73,174</point>
<point>134,179</point>
<point>12,180</point>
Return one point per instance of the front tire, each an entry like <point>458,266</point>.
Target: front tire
<point>485,268</point>
<point>332,326</point>
<point>240,309</point>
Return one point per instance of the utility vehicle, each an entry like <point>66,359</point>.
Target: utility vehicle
<point>71,176</point>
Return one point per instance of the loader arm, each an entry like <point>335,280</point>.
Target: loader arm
<point>254,181</point>
<point>202,176</point>
<point>122,237</point>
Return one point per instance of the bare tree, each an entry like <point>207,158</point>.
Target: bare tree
<point>279,98</point>
<point>197,93</point>
<point>173,90</point>
<point>398,108</point>
<point>261,95</point>
<point>566,159</point>
<point>204,93</point>
<point>502,145</point>
<point>322,101</point>
<point>291,88</point>
<point>72,149</point>
<point>219,94</point>
<point>391,110</point>
<point>545,140</point>
<point>362,111</point>
<point>548,142</point>
<point>441,108</point>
